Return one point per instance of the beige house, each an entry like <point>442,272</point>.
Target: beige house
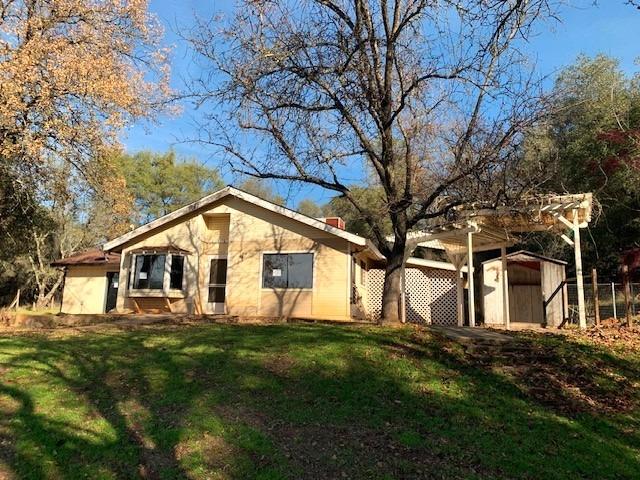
<point>233,253</point>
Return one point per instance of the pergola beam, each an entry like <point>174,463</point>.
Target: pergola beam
<point>570,242</point>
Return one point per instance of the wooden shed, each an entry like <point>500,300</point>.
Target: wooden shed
<point>537,290</point>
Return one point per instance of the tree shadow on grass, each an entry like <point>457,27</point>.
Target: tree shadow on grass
<point>301,401</point>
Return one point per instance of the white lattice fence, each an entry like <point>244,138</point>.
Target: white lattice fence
<point>430,295</point>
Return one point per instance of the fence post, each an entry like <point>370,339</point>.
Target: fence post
<point>613,298</point>
<point>596,300</point>
<point>627,293</point>
<point>16,301</point>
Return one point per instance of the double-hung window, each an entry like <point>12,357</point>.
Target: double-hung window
<point>287,270</point>
<point>150,271</point>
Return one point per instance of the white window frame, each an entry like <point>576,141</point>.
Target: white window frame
<point>166,278</point>
<point>287,289</point>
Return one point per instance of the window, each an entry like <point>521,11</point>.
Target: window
<point>177,272</point>
<point>287,270</point>
<point>149,272</point>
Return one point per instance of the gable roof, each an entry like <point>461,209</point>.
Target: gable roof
<point>523,255</point>
<point>234,192</point>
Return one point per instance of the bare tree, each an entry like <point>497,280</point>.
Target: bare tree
<point>429,97</point>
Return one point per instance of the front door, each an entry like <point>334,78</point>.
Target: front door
<point>112,291</point>
<point>217,285</point>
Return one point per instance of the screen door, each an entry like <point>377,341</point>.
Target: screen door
<point>217,285</point>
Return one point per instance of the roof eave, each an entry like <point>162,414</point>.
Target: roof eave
<point>229,190</point>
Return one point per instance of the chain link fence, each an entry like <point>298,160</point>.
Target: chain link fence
<point>610,296</point>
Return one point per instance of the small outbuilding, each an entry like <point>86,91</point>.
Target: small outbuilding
<point>537,290</point>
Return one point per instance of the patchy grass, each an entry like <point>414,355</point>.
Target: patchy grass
<point>311,401</point>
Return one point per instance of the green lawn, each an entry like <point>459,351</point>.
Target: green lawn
<point>310,401</point>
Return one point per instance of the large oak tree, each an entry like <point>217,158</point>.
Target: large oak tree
<point>429,97</point>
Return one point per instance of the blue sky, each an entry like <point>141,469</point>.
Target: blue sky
<point>609,26</point>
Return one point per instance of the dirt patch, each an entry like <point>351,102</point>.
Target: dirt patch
<point>567,377</point>
<point>611,333</point>
<point>569,372</point>
<point>279,364</point>
<point>9,406</point>
<point>217,454</point>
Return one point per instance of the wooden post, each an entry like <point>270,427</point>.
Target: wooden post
<point>459,296</point>
<point>16,301</point>
<point>627,294</point>
<point>470,292</point>
<point>582,313</point>
<point>458,259</point>
<point>505,289</point>
<point>596,300</point>
<point>613,299</point>
<point>403,294</point>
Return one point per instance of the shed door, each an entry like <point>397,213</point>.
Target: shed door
<point>525,304</point>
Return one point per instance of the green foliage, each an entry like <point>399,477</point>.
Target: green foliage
<point>262,189</point>
<point>20,212</point>
<point>21,216</point>
<point>594,137</point>
<point>310,208</point>
<point>371,198</point>
<point>161,183</point>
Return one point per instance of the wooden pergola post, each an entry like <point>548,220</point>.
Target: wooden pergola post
<point>403,294</point>
<point>459,296</point>
<point>627,294</point>
<point>470,291</point>
<point>458,259</point>
<point>596,299</point>
<point>582,313</point>
<point>505,289</point>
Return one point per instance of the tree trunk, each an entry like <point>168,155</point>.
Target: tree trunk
<point>44,301</point>
<point>391,293</point>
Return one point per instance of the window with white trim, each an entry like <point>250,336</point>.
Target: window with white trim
<point>151,270</point>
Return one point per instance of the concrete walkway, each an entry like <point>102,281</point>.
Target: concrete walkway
<point>467,335</point>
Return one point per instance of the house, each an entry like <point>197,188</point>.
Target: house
<point>233,253</point>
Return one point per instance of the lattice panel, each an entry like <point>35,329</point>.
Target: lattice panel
<point>430,295</point>
<point>443,300</point>
<point>375,283</point>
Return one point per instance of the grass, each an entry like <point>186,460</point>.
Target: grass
<point>308,401</point>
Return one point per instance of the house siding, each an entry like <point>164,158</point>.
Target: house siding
<point>242,232</point>
<point>85,289</point>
